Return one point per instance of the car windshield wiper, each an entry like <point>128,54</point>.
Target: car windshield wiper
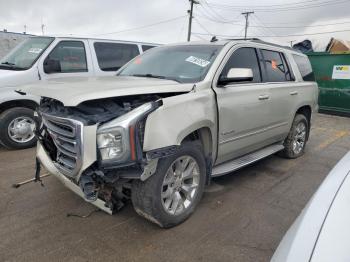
<point>9,65</point>
<point>157,76</point>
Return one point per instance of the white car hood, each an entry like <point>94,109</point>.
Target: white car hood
<point>73,91</point>
<point>333,241</point>
<point>321,232</point>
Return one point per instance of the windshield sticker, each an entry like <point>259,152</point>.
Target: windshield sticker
<point>35,50</point>
<point>198,61</point>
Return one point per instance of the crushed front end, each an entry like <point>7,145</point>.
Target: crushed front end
<point>95,149</point>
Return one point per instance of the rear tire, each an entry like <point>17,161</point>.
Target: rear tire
<point>16,135</point>
<point>163,198</point>
<point>294,144</point>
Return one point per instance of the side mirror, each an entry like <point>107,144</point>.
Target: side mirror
<point>236,75</point>
<point>52,66</point>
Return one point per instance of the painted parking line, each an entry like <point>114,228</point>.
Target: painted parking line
<point>337,135</point>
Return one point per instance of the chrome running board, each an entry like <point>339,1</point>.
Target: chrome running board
<point>232,165</point>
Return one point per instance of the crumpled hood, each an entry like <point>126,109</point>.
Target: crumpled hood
<point>73,91</point>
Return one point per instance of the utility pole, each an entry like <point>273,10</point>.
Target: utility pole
<point>25,29</point>
<point>190,12</point>
<point>291,43</point>
<point>42,26</point>
<point>246,14</point>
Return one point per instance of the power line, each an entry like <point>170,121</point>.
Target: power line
<point>282,9</point>
<point>307,34</point>
<point>141,27</point>
<point>265,6</point>
<point>274,27</point>
<point>203,27</point>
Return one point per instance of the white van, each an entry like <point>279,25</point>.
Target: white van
<point>45,58</point>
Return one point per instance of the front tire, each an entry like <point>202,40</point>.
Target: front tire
<point>17,126</point>
<point>171,195</point>
<point>295,143</point>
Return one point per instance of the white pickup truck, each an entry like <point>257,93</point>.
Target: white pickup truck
<point>46,58</point>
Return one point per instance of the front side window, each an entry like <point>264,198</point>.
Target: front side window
<point>66,57</point>
<point>305,68</point>
<point>244,58</point>
<point>184,63</point>
<point>112,56</point>
<point>26,54</point>
<point>276,68</point>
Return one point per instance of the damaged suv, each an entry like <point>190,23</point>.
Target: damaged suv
<point>173,118</point>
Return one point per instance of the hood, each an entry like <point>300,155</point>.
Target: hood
<point>333,240</point>
<point>321,231</point>
<point>73,91</point>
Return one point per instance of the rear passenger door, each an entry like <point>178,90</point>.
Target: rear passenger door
<point>108,57</point>
<point>283,89</point>
<point>243,107</point>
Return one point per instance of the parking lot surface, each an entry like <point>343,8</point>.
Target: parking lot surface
<point>242,216</point>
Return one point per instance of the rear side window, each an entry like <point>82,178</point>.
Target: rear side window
<point>277,69</point>
<point>147,47</point>
<point>68,57</point>
<point>112,56</point>
<point>245,57</point>
<point>304,67</point>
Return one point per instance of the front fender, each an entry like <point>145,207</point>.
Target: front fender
<point>178,117</point>
<point>8,94</point>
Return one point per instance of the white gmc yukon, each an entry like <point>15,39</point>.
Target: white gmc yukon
<point>170,120</point>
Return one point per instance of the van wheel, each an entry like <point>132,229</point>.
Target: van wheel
<point>17,126</point>
<point>172,193</point>
<point>294,145</point>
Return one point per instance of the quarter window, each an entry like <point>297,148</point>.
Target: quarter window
<point>277,69</point>
<point>305,68</point>
<point>112,56</point>
<point>147,47</point>
<point>244,58</point>
<point>68,57</point>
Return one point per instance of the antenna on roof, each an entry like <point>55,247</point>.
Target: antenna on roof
<point>213,39</point>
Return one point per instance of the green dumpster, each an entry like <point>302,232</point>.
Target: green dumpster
<point>332,73</point>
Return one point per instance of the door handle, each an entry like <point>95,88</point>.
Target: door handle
<point>264,97</point>
<point>293,93</point>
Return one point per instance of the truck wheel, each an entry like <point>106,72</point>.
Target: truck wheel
<point>170,195</point>
<point>17,126</point>
<point>295,142</point>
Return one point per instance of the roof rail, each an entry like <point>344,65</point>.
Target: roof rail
<point>258,40</point>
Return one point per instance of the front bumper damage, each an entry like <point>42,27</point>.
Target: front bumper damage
<point>47,163</point>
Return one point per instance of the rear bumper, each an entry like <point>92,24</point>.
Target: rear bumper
<point>50,167</point>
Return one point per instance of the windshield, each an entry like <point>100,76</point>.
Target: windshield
<point>25,55</point>
<point>184,64</point>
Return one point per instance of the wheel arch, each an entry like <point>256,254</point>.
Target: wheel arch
<point>306,111</point>
<point>27,103</point>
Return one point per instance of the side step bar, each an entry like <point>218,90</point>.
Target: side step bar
<point>229,166</point>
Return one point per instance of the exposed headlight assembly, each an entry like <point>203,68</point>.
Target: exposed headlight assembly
<point>117,139</point>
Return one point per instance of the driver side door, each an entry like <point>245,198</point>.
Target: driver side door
<point>243,107</point>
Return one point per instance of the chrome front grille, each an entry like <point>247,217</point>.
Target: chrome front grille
<point>66,134</point>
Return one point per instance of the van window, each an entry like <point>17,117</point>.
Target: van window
<point>68,57</point>
<point>146,47</point>
<point>277,69</point>
<point>304,67</point>
<point>112,56</point>
<point>244,58</point>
